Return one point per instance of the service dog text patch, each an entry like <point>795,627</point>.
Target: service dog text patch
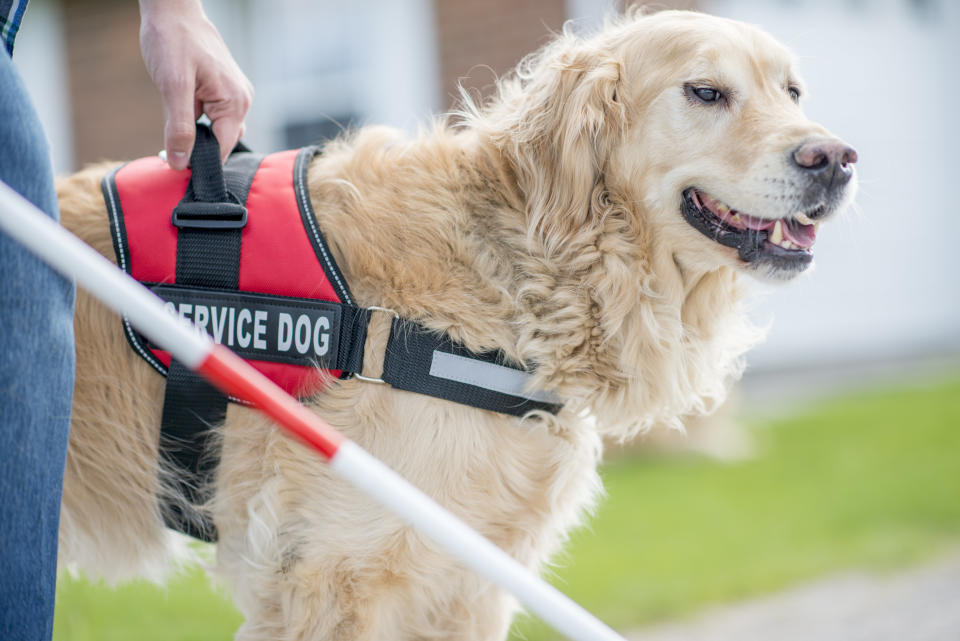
<point>260,326</point>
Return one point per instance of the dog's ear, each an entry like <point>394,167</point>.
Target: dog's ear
<point>567,117</point>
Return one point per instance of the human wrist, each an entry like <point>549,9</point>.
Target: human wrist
<point>156,9</point>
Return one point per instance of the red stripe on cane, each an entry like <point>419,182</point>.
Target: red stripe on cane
<point>232,375</point>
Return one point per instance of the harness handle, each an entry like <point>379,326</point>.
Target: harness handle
<point>209,221</point>
<point>208,204</point>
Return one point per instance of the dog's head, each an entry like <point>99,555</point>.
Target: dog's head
<point>657,160</point>
<point>691,122</point>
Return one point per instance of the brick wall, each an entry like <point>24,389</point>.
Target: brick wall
<point>480,41</point>
<point>477,42</point>
<point>116,110</point>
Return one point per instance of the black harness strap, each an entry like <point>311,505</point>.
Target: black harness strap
<point>428,362</point>
<point>209,222</point>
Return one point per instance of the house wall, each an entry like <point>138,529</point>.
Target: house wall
<point>480,41</point>
<point>40,56</point>
<point>116,110</point>
<point>321,65</point>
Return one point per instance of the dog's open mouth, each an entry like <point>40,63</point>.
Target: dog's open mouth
<point>783,242</point>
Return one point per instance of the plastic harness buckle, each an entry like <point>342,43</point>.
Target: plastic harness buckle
<point>204,215</point>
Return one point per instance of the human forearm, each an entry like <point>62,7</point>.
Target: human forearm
<point>195,74</point>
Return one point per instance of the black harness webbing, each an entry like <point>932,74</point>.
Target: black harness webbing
<point>210,220</point>
<point>418,360</point>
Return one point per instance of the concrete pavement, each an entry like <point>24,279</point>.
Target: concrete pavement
<point>919,604</point>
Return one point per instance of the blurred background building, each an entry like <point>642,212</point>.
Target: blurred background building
<point>881,75</point>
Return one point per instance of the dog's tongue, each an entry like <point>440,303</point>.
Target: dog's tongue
<point>731,216</point>
<point>760,224</point>
<point>799,234</point>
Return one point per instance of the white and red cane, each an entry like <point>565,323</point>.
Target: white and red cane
<point>73,258</point>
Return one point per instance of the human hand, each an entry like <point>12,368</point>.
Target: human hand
<point>195,73</point>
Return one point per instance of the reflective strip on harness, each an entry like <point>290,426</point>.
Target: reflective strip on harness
<point>491,376</point>
<point>422,361</point>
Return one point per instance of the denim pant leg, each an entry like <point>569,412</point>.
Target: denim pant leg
<point>36,382</point>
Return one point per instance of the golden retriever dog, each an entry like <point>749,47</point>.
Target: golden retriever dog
<point>596,218</point>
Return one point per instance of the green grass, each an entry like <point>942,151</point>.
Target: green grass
<point>867,481</point>
<point>187,609</point>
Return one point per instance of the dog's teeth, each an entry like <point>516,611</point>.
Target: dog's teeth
<point>723,209</point>
<point>803,219</point>
<point>816,227</point>
<point>776,236</point>
<point>788,245</point>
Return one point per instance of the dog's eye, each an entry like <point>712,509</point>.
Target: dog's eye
<point>706,95</point>
<point>794,94</point>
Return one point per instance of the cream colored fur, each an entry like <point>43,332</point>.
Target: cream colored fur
<point>544,224</point>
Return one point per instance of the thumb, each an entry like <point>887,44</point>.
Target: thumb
<point>181,124</point>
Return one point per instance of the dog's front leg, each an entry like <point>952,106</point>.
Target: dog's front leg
<point>360,601</point>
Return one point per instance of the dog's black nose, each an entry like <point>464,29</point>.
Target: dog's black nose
<point>827,162</point>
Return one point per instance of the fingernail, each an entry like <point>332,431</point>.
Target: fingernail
<point>178,159</point>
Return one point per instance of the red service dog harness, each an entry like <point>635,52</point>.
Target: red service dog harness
<point>282,256</point>
<point>242,256</point>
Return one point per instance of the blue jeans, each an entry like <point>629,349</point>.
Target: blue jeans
<point>36,382</point>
